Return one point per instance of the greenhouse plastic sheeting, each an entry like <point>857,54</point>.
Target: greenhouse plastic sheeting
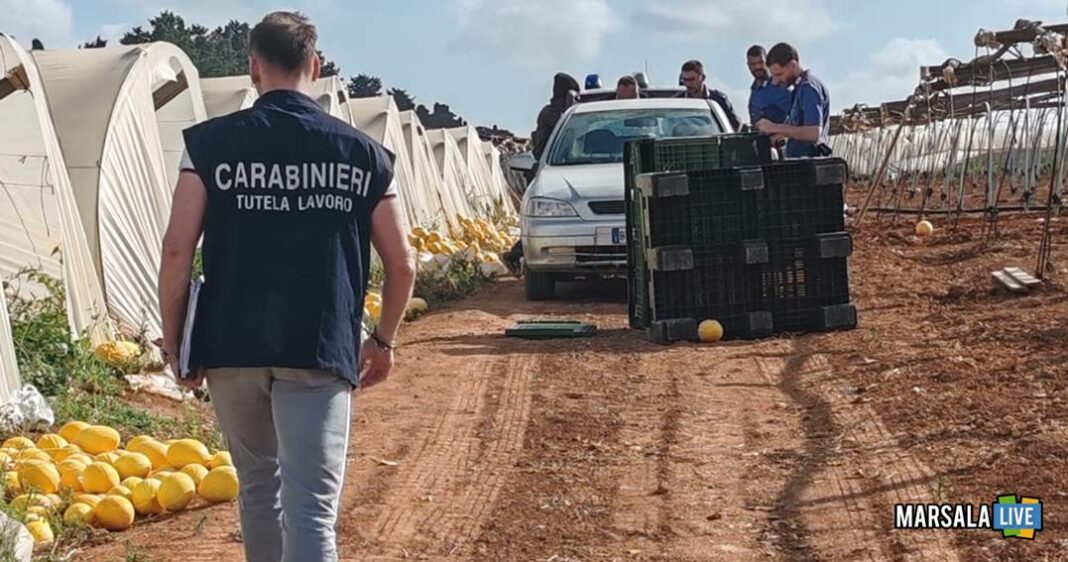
<point>223,96</point>
<point>40,227</point>
<point>9,368</point>
<point>122,156</point>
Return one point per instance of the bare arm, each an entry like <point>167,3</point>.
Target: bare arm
<point>179,248</point>
<point>392,246</point>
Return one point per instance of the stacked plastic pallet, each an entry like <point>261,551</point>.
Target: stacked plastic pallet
<point>719,231</point>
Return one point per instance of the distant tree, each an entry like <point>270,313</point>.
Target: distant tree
<point>404,101</point>
<point>327,68</point>
<point>222,51</point>
<point>364,86</point>
<point>97,43</point>
<point>37,45</point>
<point>441,117</point>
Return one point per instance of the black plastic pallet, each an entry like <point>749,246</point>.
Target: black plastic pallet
<point>701,207</point>
<point>759,324</point>
<point>720,281</point>
<point>699,153</point>
<point>785,278</point>
<point>802,198</point>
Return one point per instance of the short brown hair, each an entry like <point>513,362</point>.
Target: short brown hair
<point>781,54</point>
<point>284,39</point>
<point>627,80</point>
<point>756,51</point>
<point>693,66</point>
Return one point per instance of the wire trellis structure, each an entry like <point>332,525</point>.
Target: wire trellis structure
<point>985,137</point>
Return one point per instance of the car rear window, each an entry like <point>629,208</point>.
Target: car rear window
<point>598,137</point>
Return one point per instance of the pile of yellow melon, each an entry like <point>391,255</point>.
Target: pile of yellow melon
<point>372,307</point>
<point>476,238</point>
<point>118,353</point>
<point>82,475</point>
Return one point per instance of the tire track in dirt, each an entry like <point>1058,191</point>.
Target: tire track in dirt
<point>436,501</point>
<point>699,498</point>
<point>838,503</point>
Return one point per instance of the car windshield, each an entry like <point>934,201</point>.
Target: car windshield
<point>597,137</point>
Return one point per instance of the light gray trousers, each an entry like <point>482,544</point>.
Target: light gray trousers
<point>288,433</point>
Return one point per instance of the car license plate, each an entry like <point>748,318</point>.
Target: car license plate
<point>612,236</point>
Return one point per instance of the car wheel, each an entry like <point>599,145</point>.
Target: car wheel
<point>539,286</point>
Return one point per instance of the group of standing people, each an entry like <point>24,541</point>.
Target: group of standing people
<point>786,101</point>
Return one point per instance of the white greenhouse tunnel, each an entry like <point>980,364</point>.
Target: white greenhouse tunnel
<point>89,156</point>
<point>40,227</point>
<point>119,115</point>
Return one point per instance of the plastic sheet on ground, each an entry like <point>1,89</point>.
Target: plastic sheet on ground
<point>160,384</point>
<point>17,538</point>
<point>25,408</point>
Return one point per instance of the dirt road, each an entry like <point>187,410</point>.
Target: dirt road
<point>613,448</point>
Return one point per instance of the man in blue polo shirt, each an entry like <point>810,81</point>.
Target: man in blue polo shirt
<point>767,100</point>
<point>288,200</point>
<point>807,126</point>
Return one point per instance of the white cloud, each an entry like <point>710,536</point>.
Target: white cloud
<point>112,32</point>
<point>893,73</point>
<point>51,21</point>
<point>535,33</point>
<point>686,20</point>
<point>210,13</point>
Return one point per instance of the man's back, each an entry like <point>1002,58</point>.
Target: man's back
<point>286,235</point>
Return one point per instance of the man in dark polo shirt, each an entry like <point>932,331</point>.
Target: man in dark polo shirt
<point>693,79</point>
<point>288,200</point>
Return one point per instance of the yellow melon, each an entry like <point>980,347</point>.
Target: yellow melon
<point>133,464</point>
<point>71,430</point>
<point>176,491</point>
<point>195,471</point>
<point>99,477</point>
<point>221,458</point>
<point>187,451</point>
<point>154,450</point>
<point>114,513</point>
<point>70,474</point>
<point>97,439</point>
<point>11,482</point>
<point>109,457</point>
<point>88,499</point>
<point>220,485</point>
<point>41,476</point>
<point>120,490</point>
<point>34,454</point>
<point>51,441</point>
<point>18,443</point>
<point>41,531</point>
<point>78,515</point>
<point>132,443</point>
<point>131,481</point>
<point>144,497</point>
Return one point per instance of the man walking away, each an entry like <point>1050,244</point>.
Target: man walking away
<point>288,199</point>
<point>807,126</point>
<point>565,93</point>
<point>693,78</point>
<point>627,88</point>
<point>767,100</point>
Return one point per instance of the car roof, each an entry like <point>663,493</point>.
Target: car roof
<point>605,94</point>
<point>657,103</point>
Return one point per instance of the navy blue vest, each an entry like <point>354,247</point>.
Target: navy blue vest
<point>286,235</point>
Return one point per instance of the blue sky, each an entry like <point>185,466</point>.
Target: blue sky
<point>492,60</point>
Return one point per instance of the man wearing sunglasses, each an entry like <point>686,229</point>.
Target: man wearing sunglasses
<point>693,79</point>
